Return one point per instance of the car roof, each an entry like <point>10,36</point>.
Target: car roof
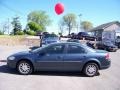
<point>65,43</point>
<point>73,39</point>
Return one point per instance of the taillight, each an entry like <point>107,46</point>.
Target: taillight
<point>107,56</point>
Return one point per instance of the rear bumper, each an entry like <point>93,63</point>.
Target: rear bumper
<point>113,49</point>
<point>108,64</point>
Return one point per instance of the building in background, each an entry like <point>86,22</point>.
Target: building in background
<point>107,32</point>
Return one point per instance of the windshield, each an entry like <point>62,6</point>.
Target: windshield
<point>39,49</point>
<point>50,36</point>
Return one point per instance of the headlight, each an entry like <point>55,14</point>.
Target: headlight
<point>11,58</point>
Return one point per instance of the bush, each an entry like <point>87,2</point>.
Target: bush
<point>30,32</point>
<point>1,33</point>
<point>19,33</point>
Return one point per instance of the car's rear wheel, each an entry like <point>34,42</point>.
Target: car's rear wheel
<point>24,67</point>
<point>90,69</point>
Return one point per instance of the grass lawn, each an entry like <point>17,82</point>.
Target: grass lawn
<point>11,40</point>
<point>12,36</point>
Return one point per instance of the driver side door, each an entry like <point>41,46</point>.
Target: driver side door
<point>51,58</point>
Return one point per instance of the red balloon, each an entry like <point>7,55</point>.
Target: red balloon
<point>59,8</point>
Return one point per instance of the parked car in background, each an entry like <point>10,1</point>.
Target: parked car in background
<point>84,35</point>
<point>117,43</point>
<point>67,56</point>
<point>49,38</point>
<point>109,46</point>
<point>73,40</point>
<point>45,38</point>
<point>88,43</point>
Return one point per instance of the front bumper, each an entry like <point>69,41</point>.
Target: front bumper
<point>11,63</point>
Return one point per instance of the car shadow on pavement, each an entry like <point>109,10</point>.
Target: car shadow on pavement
<point>6,69</point>
<point>56,73</point>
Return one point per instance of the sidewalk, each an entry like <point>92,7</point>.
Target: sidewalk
<point>6,51</point>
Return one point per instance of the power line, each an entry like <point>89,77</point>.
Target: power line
<point>8,7</point>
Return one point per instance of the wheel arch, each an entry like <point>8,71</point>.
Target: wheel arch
<point>25,60</point>
<point>91,61</point>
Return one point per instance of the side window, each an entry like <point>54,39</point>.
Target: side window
<point>56,49</point>
<point>72,49</point>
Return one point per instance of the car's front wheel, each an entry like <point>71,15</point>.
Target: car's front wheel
<point>90,69</point>
<point>24,67</point>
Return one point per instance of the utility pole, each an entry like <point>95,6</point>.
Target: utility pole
<point>80,16</point>
<point>77,26</point>
<point>8,24</point>
<point>4,27</point>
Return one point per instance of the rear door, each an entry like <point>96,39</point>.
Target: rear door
<point>74,57</point>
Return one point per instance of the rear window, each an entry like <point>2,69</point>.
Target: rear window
<point>89,49</point>
<point>74,49</point>
<point>50,36</point>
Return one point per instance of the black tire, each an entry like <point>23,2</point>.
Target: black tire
<point>114,50</point>
<point>24,67</point>
<point>119,45</point>
<point>90,66</point>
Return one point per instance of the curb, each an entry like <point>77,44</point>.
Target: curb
<point>3,60</point>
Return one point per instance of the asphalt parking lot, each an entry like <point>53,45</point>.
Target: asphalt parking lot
<point>5,51</point>
<point>108,79</point>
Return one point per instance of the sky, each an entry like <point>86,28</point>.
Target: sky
<point>95,11</point>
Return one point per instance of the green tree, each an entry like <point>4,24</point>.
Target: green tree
<point>86,25</point>
<point>69,21</point>
<point>35,27</point>
<point>17,27</point>
<point>30,32</point>
<point>1,32</point>
<point>40,18</point>
<point>61,27</point>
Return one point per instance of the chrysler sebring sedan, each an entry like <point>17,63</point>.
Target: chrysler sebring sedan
<point>67,56</point>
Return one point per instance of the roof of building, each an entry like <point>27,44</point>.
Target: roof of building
<point>103,26</point>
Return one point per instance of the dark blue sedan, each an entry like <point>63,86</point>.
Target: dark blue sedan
<point>68,56</point>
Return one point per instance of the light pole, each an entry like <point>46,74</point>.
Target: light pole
<point>80,15</point>
<point>8,26</point>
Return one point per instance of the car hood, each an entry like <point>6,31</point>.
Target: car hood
<point>22,53</point>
